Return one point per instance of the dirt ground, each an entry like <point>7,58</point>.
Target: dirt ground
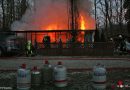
<point>79,74</point>
<point>76,81</point>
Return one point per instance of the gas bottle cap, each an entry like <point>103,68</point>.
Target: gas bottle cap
<point>46,62</point>
<point>59,63</point>
<point>23,66</point>
<point>35,68</point>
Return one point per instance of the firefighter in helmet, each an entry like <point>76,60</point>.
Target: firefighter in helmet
<point>46,41</point>
<point>60,44</point>
<point>29,48</point>
<point>121,43</point>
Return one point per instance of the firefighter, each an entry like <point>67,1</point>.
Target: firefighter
<point>68,43</point>
<point>46,41</point>
<point>121,43</point>
<point>35,47</point>
<point>29,48</point>
<point>60,43</point>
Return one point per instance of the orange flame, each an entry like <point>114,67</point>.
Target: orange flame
<point>82,27</point>
<point>82,23</point>
<point>52,27</point>
<point>86,22</point>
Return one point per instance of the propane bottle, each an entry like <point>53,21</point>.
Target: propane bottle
<point>47,73</point>
<point>99,77</point>
<point>35,77</point>
<point>60,75</point>
<point>23,78</point>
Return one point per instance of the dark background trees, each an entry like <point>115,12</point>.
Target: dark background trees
<point>108,14</point>
<point>127,14</point>
<point>11,10</point>
<point>110,18</point>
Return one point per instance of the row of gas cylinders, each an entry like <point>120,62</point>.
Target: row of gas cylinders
<point>54,75</point>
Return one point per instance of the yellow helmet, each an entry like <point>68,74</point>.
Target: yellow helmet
<point>29,41</point>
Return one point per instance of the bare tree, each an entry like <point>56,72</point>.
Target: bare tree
<point>3,13</point>
<point>11,10</point>
<point>0,15</point>
<point>112,12</point>
<point>127,14</point>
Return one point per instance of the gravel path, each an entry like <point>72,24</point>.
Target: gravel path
<point>69,62</point>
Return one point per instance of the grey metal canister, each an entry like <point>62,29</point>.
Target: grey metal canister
<point>23,78</point>
<point>47,73</point>
<point>35,77</point>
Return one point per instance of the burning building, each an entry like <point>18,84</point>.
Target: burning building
<point>53,15</point>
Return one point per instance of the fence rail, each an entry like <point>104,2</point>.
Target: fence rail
<point>78,49</point>
<point>91,49</point>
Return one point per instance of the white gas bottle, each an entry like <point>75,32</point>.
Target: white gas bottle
<point>35,77</point>
<point>60,75</point>
<point>99,77</point>
<point>23,78</point>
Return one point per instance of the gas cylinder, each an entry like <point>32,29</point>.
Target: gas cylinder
<point>47,73</point>
<point>99,77</point>
<point>35,77</point>
<point>23,78</point>
<point>60,75</point>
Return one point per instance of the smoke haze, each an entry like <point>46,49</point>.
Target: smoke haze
<point>42,13</point>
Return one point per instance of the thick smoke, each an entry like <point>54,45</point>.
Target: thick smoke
<point>42,13</point>
<point>85,6</point>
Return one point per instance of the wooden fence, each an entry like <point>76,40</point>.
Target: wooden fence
<point>91,49</point>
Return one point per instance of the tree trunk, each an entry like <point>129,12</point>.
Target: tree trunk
<point>3,12</point>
